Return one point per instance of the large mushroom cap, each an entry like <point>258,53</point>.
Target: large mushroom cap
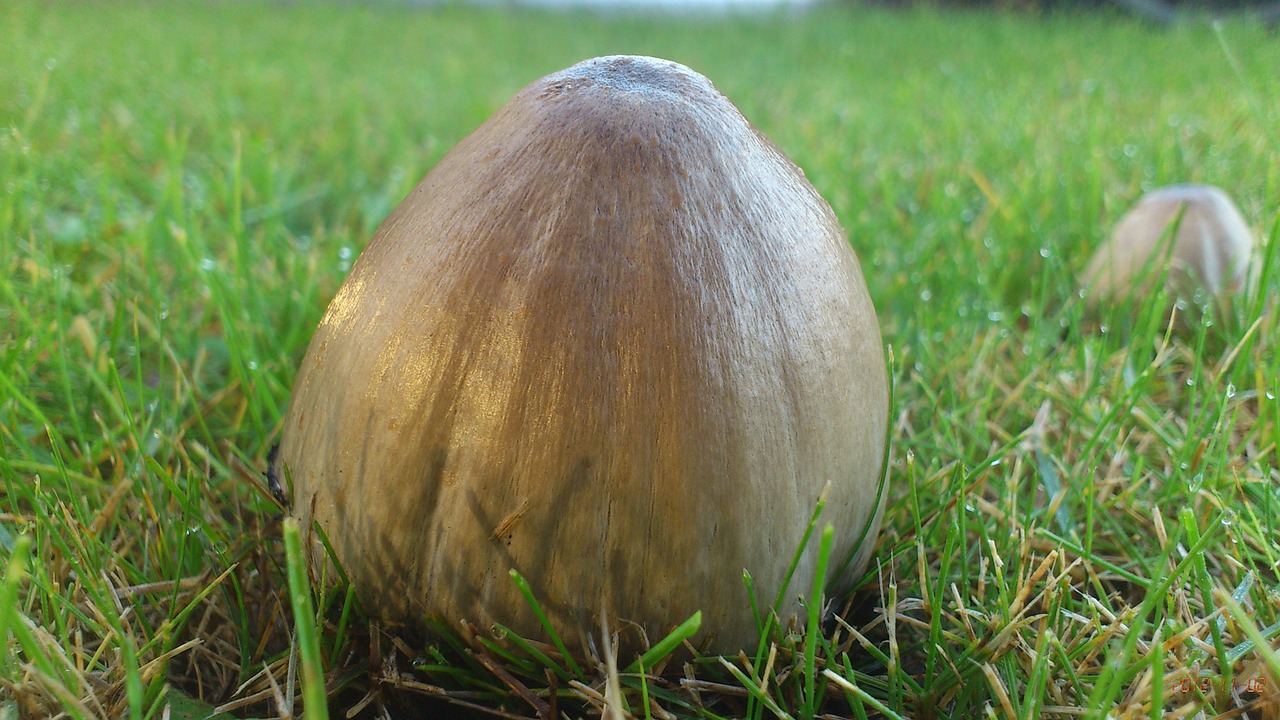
<point>1210,248</point>
<point>614,341</point>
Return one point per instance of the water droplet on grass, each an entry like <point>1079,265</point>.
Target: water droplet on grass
<point>208,264</point>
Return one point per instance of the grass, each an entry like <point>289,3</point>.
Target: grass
<point>1083,511</point>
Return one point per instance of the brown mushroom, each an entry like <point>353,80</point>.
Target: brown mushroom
<point>615,341</point>
<point>1209,250</point>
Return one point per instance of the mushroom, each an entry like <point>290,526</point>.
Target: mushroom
<point>1209,250</point>
<point>614,341</point>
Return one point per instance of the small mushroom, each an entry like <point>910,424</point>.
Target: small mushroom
<point>614,341</point>
<point>1209,250</point>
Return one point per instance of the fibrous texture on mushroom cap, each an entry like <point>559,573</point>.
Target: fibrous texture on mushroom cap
<point>614,341</point>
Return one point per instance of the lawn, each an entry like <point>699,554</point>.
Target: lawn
<point>1084,510</point>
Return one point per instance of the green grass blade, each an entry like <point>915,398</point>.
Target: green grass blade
<point>314,695</point>
<point>668,644</point>
<point>1261,644</point>
<point>812,632</point>
<point>527,592</point>
<point>861,694</point>
<point>755,690</point>
<point>15,572</point>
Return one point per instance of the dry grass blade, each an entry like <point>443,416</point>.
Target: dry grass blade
<point>491,664</point>
<point>1001,692</point>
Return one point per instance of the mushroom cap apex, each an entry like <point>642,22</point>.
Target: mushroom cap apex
<point>633,74</point>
